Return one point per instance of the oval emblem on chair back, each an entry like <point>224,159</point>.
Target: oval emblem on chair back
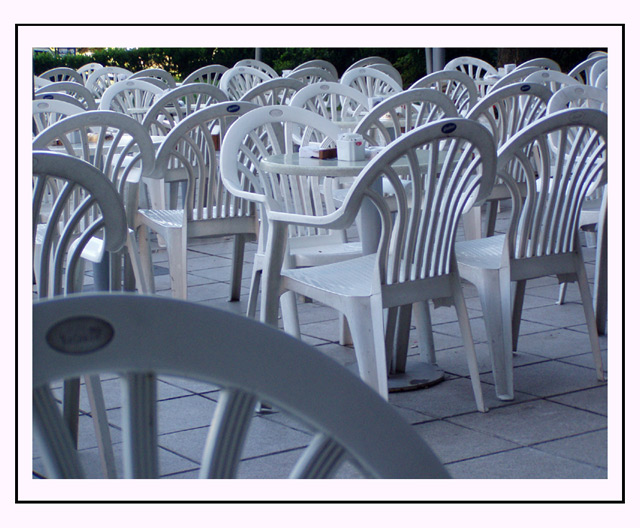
<point>525,88</point>
<point>233,108</point>
<point>448,128</point>
<point>80,335</point>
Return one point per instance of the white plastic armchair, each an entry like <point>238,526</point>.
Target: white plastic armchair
<point>389,70</point>
<point>517,75</point>
<point>102,78</point>
<point>189,153</point>
<point>258,65</point>
<point>86,205</point>
<point>270,131</point>
<point>46,113</point>
<point>504,113</point>
<point>75,90</point>
<point>581,71</point>
<point>312,75</point>
<point>319,63</point>
<point>238,80</point>
<point>553,80</point>
<point>132,97</point>
<point>246,360</point>
<point>371,82</point>
<point>368,61</point>
<point>415,259</point>
<point>63,73</point>
<point>475,68</point>
<point>596,70</point>
<point>39,82</point>
<point>456,85</point>
<point>123,151</point>
<point>542,236</point>
<point>156,73</point>
<point>210,74</point>
<point>273,92</point>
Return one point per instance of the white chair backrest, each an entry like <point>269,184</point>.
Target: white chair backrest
<point>63,73</point>
<point>132,97</point>
<point>403,112</point>
<point>319,63</point>
<point>74,89</point>
<point>274,92</point>
<point>367,61</point>
<point>85,203</point>
<point>602,81</point>
<point>191,148</point>
<point>455,84</point>
<point>596,70</point>
<point>371,82</point>
<point>87,69</point>
<point>238,80</point>
<point>156,73</point>
<point>580,96</point>
<point>207,74</point>
<point>333,101</point>
<point>553,80</point>
<point>47,112</point>
<point>389,70</point>
<point>581,71</point>
<point>58,96</point>
<point>102,78</point>
<point>545,223</point>
<point>542,63</point>
<point>258,65</point>
<point>115,143</point>
<point>312,75</point>
<point>475,68</point>
<point>510,109</point>
<point>39,82</point>
<point>517,75</point>
<point>242,357</point>
<point>179,103</point>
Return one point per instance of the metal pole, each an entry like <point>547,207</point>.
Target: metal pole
<point>438,59</point>
<point>429,57</point>
<point>258,54</point>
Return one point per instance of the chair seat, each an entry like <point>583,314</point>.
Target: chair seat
<point>327,254</point>
<point>483,253</point>
<point>349,278</point>
<point>174,218</point>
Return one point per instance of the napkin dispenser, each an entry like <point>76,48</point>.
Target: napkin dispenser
<point>350,147</point>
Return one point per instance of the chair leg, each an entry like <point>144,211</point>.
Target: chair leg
<point>289,308</point>
<point>146,262</point>
<point>236,267</point>
<point>494,289</point>
<point>518,302</point>
<point>469,347</point>
<point>492,215</point>
<point>587,305</point>
<point>344,334</point>
<point>177,253</point>
<point>101,425</point>
<point>472,223</point>
<point>562,292</point>
<point>366,322</point>
<point>136,263</point>
<point>71,406</point>
<point>425,332</point>
<point>600,279</point>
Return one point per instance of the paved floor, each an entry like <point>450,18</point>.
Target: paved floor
<point>556,428</point>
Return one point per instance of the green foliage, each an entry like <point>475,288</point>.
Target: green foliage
<point>411,62</point>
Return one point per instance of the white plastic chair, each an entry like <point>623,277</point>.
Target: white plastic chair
<point>238,80</point>
<point>319,63</point>
<point>156,73</point>
<point>504,113</point>
<point>602,81</point>
<point>389,70</point>
<point>208,209</point>
<point>210,74</point>
<point>594,213</point>
<point>370,82</point>
<point>62,73</point>
<point>542,237</point>
<point>517,75</point>
<point>542,63</point>
<point>102,78</point>
<point>342,105</point>
<point>415,259</point>
<point>312,75</point>
<point>367,61</point>
<point>86,205</point>
<point>46,113</point>
<point>553,80</point>
<point>273,92</point>
<point>87,69</point>
<point>39,82</point>
<point>73,89</point>
<point>596,70</point>
<point>248,361</point>
<point>456,85</point>
<point>269,131</point>
<point>475,68</point>
<point>118,146</point>
<point>258,65</point>
<point>132,97</point>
